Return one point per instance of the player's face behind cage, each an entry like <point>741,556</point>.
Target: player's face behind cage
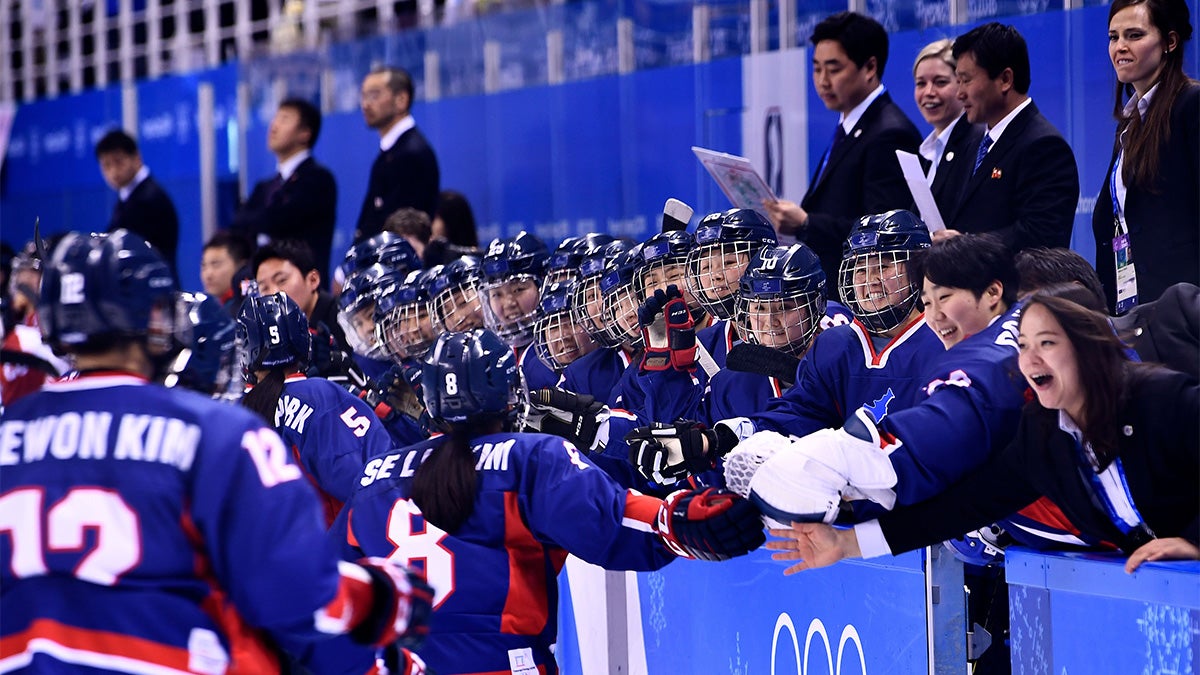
<point>877,288</point>
<point>588,311</point>
<point>561,341</point>
<point>713,272</point>
<point>657,275</point>
<point>510,308</point>
<point>406,332</point>
<point>620,313</point>
<point>786,324</point>
<point>457,308</point>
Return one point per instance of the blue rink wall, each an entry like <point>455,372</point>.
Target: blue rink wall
<point>599,154</point>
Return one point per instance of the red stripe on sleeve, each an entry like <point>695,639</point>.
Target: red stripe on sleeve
<point>642,507</point>
<point>526,608</point>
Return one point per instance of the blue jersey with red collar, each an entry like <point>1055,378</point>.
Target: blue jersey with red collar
<point>538,498</point>
<point>598,374</point>
<point>843,370</point>
<point>331,432</point>
<point>149,530</point>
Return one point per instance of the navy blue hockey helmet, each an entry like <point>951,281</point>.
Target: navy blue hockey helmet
<point>386,248</point>
<point>402,316</point>
<point>664,262</point>
<point>565,261</point>
<point>559,340</point>
<point>468,375</point>
<point>588,303</point>
<point>206,363</point>
<point>103,287</point>
<point>621,298</point>
<point>454,296</point>
<point>512,275</point>
<point>725,242</point>
<point>781,298</point>
<point>356,306</point>
<point>272,333</point>
<point>873,277</point>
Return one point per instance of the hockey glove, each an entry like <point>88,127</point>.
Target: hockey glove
<point>681,331</point>
<point>668,453</point>
<point>709,525</point>
<point>579,418</point>
<point>654,333</point>
<point>401,605</point>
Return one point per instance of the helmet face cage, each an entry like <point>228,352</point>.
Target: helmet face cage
<point>660,273</point>
<point>406,332</point>
<point>456,308</point>
<point>713,272</point>
<point>205,337</point>
<point>786,323</point>
<point>510,307</point>
<point>877,289</point>
<point>587,309</point>
<point>558,338</point>
<point>564,275</point>
<point>621,303</point>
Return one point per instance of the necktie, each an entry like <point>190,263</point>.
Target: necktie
<point>983,150</point>
<point>272,189</point>
<point>839,135</point>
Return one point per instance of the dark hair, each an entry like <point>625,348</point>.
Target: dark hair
<point>116,141</point>
<point>409,221</point>
<point>264,397</point>
<point>235,243</point>
<point>1040,267</point>
<point>1102,365</point>
<point>294,251</point>
<point>995,47</point>
<point>444,484</point>
<point>1146,138</point>
<point>310,117</point>
<point>398,80</point>
<point>455,211</point>
<point>970,261</point>
<point>860,36</point>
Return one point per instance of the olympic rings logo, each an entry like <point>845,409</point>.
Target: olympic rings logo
<point>816,628</point>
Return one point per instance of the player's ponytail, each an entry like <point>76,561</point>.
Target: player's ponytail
<point>444,484</point>
<point>264,397</point>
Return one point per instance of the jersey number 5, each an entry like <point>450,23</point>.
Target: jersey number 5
<point>118,538</point>
<point>417,541</point>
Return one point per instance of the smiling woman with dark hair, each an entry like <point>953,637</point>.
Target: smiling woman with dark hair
<point>1113,443</point>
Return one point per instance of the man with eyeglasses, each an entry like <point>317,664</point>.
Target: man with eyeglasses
<point>405,173</point>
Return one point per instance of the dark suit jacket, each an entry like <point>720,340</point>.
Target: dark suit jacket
<point>405,175</point>
<point>1159,451</point>
<point>304,208</point>
<point>1163,231</point>
<point>150,213</point>
<point>955,166</point>
<point>862,177</point>
<point>1167,330</point>
<point>1026,189</point>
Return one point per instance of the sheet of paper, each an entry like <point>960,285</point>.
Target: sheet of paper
<point>914,175</point>
<point>737,178</point>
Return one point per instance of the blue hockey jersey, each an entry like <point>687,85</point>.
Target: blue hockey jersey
<point>669,395</point>
<point>154,530</point>
<point>598,374</point>
<point>331,433</point>
<point>538,498</point>
<point>537,374</point>
<point>843,370</point>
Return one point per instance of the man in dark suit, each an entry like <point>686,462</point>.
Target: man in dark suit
<point>142,206</point>
<point>300,200</point>
<point>954,164</point>
<point>859,174</point>
<point>405,172</point>
<point>1024,184</point>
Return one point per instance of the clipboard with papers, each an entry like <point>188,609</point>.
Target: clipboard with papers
<point>914,176</point>
<point>737,178</point>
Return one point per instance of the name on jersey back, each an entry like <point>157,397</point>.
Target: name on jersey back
<point>88,435</point>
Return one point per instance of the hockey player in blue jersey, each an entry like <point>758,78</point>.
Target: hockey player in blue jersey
<point>558,339</point>
<point>356,314</point>
<point>329,431</point>
<point>157,530</point>
<point>513,270</point>
<point>454,303</point>
<point>492,515</point>
<point>885,349</point>
<point>207,361</point>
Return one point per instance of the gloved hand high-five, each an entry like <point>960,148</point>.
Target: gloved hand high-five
<point>579,418</point>
<point>668,332</point>
<point>668,453</point>
<point>709,525</point>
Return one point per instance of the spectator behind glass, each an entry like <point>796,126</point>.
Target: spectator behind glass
<point>947,150</point>
<point>288,266</point>
<point>300,200</point>
<point>224,254</point>
<point>1155,166</point>
<point>453,231</point>
<point>143,207</point>
<point>414,226</point>
<point>1097,416</point>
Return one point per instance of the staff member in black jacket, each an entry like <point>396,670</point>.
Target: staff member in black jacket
<point>142,206</point>
<point>1155,168</point>
<point>858,174</point>
<point>948,150</point>
<point>300,200</point>
<point>405,172</point>
<point>1114,444</point>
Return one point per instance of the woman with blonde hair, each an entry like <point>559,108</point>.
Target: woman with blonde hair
<point>949,148</point>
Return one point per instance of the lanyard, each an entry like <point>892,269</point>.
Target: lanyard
<point>1118,219</point>
<point>1111,492</point>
